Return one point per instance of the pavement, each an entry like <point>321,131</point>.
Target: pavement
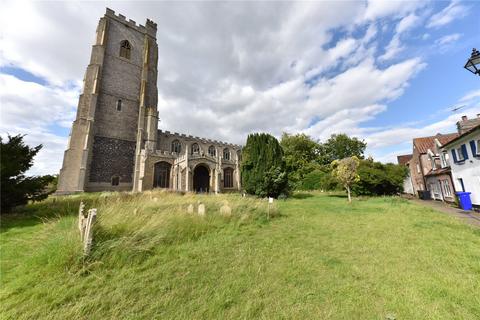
<point>470,217</point>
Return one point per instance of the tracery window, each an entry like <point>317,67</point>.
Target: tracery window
<point>125,49</point>
<point>228,178</point>
<point>195,148</point>
<point>226,154</point>
<point>212,151</point>
<point>176,146</point>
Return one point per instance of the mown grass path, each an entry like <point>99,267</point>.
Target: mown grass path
<point>321,259</point>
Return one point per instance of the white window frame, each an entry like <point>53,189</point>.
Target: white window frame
<point>447,190</point>
<point>459,153</point>
<point>478,147</point>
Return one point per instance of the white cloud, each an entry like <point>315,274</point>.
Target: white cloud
<point>455,10</point>
<point>448,39</point>
<point>32,109</point>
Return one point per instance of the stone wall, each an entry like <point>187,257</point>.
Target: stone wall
<point>112,157</point>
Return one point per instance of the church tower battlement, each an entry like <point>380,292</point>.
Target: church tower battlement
<point>117,111</point>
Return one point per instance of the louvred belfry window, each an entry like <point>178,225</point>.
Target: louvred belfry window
<point>125,49</point>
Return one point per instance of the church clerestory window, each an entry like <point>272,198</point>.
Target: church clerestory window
<point>212,151</point>
<point>226,154</point>
<point>176,146</point>
<point>195,148</point>
<point>119,105</point>
<point>125,49</point>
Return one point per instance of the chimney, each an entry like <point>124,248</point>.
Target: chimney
<point>466,124</point>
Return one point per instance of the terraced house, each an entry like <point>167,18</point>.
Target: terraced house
<point>465,164</point>
<point>115,143</point>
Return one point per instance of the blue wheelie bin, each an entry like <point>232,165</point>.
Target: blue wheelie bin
<point>464,200</point>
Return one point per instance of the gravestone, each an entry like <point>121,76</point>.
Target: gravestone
<point>201,209</point>
<point>225,210</point>
<point>190,208</point>
<point>88,237</point>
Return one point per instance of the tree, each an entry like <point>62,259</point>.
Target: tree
<point>17,189</point>
<point>345,171</point>
<point>263,167</point>
<point>379,179</point>
<point>300,153</point>
<point>340,146</point>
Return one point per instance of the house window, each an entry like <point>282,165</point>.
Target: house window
<point>119,105</point>
<point>195,148</point>
<point>125,49</point>
<point>444,159</point>
<point>176,146</point>
<point>212,151</point>
<point>228,178</point>
<point>447,191</point>
<point>226,154</point>
<point>115,180</point>
<point>460,156</point>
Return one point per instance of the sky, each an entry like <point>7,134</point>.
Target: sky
<point>382,71</point>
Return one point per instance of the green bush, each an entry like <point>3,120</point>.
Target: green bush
<point>319,179</point>
<point>263,167</point>
<point>379,179</point>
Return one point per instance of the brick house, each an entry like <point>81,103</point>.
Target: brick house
<point>429,167</point>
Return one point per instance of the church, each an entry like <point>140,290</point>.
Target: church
<point>115,143</point>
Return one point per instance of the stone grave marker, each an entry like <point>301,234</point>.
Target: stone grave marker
<point>201,209</point>
<point>190,208</point>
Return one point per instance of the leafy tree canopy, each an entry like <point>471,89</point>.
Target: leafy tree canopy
<point>300,154</point>
<point>377,178</point>
<point>16,188</point>
<point>340,146</point>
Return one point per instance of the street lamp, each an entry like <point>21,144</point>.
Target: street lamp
<point>473,64</point>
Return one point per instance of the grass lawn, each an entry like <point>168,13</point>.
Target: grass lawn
<point>317,257</point>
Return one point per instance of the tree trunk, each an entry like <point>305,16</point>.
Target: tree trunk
<point>348,192</point>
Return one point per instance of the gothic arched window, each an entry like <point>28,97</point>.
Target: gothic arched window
<point>195,148</point>
<point>125,49</point>
<point>212,151</point>
<point>176,146</point>
<point>226,154</point>
<point>228,178</point>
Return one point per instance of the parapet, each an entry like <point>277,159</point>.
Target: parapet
<point>150,29</point>
<point>198,139</point>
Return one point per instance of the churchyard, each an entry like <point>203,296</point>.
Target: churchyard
<point>160,255</point>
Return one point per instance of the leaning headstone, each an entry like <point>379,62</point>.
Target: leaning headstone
<point>135,211</point>
<point>225,210</point>
<point>81,219</point>
<point>190,208</point>
<point>88,237</point>
<point>201,209</point>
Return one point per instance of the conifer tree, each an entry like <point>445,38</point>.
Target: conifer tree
<point>263,167</point>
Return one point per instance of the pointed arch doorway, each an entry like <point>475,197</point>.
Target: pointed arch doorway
<point>201,179</point>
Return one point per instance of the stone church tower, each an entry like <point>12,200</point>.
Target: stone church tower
<point>117,112</point>
<point>115,144</point>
